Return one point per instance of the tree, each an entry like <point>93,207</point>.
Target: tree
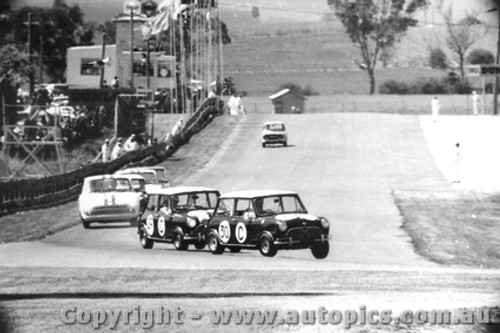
<point>59,28</point>
<point>480,56</point>
<point>375,25</point>
<point>437,58</point>
<point>462,35</point>
<point>14,64</point>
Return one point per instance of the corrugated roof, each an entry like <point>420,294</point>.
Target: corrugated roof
<point>284,92</point>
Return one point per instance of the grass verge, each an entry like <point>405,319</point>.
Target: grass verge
<point>37,224</point>
<point>453,227</point>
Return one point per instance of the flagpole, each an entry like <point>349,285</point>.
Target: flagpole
<point>103,53</point>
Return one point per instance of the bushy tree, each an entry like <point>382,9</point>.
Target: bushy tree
<point>437,58</point>
<point>58,27</point>
<point>480,56</point>
<point>375,25</point>
<point>14,64</point>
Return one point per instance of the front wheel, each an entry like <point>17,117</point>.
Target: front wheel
<point>263,145</point>
<point>86,225</point>
<point>146,243</point>
<point>179,242</point>
<point>214,245</point>
<point>320,250</point>
<point>267,247</point>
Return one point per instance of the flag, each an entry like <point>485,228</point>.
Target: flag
<point>160,22</point>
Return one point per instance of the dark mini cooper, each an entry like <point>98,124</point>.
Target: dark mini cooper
<point>177,215</point>
<point>267,220</point>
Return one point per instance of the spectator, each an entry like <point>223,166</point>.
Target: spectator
<point>118,149</point>
<point>131,143</point>
<point>177,127</point>
<point>115,84</point>
<point>105,150</point>
<point>435,106</point>
<point>475,102</point>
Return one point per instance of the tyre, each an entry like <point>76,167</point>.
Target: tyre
<point>146,243</point>
<point>320,250</point>
<point>86,225</point>
<point>214,245</point>
<point>179,243</point>
<point>263,145</point>
<point>199,245</point>
<point>285,144</point>
<point>267,247</point>
<point>235,249</point>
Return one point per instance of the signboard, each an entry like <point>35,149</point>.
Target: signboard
<point>483,70</point>
<point>132,6</point>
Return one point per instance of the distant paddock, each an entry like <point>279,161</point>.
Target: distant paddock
<point>400,104</point>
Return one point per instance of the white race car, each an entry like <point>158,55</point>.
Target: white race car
<point>274,132</point>
<point>108,198</point>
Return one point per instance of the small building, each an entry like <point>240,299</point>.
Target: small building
<point>287,101</point>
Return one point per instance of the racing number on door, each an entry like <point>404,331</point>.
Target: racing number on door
<point>241,232</point>
<point>224,231</point>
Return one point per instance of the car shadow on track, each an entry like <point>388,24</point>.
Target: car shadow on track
<point>279,146</point>
<point>104,226</point>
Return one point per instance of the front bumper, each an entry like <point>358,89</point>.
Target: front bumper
<point>274,139</point>
<point>291,242</point>
<point>110,214</point>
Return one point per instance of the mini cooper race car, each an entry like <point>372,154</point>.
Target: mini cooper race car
<point>267,220</point>
<point>108,198</point>
<point>153,175</point>
<point>274,132</point>
<point>177,215</point>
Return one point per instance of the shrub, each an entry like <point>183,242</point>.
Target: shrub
<point>394,87</point>
<point>480,56</point>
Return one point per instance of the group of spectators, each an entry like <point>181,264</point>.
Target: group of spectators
<point>110,152</point>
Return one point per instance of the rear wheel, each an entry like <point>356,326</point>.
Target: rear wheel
<point>267,247</point>
<point>263,145</point>
<point>214,245</point>
<point>86,225</point>
<point>146,243</point>
<point>179,242</point>
<point>320,250</point>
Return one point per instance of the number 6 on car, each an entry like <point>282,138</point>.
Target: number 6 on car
<point>266,220</point>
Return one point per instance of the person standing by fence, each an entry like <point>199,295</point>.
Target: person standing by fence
<point>105,151</point>
<point>435,107</point>
<point>475,102</point>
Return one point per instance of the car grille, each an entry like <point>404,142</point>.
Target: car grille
<point>273,137</point>
<point>110,210</point>
<point>304,233</point>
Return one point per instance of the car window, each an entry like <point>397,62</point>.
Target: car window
<point>212,199</point>
<point>162,176</point>
<point>138,184</point>
<point>110,185</point>
<point>243,206</point>
<point>268,205</point>
<point>149,177</point>
<point>291,204</point>
<point>164,202</point>
<point>225,207</point>
<point>152,202</point>
<point>275,127</point>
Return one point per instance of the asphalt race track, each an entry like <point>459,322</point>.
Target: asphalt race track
<point>344,166</point>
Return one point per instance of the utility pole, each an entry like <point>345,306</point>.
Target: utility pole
<point>30,56</point>
<point>495,87</point>
<point>103,53</point>
<point>41,59</point>
<point>131,48</point>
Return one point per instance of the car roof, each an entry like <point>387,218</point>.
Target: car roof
<point>147,168</point>
<point>131,176</point>
<point>249,194</point>
<point>273,122</point>
<point>180,189</point>
<point>105,177</point>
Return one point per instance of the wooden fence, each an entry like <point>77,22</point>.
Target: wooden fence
<point>27,194</point>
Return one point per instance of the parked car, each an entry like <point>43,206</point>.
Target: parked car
<point>177,215</point>
<point>153,175</point>
<point>267,220</point>
<point>108,198</point>
<point>274,132</point>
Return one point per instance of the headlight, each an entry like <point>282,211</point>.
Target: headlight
<point>191,222</point>
<point>282,225</point>
<point>324,223</point>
